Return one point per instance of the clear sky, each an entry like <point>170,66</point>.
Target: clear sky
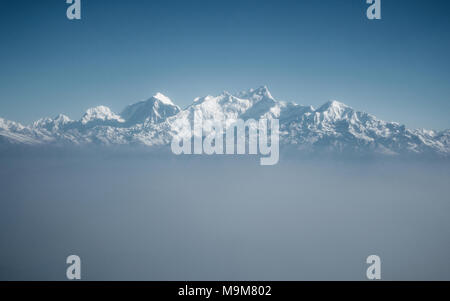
<point>307,51</point>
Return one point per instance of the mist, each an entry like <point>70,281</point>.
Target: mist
<point>148,217</point>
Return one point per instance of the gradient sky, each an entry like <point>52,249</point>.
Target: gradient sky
<point>307,51</point>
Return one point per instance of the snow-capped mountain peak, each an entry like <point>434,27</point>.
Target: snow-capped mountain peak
<point>256,95</point>
<point>164,99</point>
<point>61,118</point>
<point>224,107</point>
<point>153,110</point>
<point>334,110</point>
<point>7,125</point>
<point>100,113</point>
<point>332,105</point>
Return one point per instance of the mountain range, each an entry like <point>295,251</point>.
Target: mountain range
<point>332,128</point>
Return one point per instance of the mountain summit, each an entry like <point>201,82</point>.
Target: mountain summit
<point>154,110</point>
<point>332,128</point>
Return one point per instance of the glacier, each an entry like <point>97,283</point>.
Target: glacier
<point>333,128</point>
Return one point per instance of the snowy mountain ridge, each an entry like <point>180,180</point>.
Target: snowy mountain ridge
<point>332,128</point>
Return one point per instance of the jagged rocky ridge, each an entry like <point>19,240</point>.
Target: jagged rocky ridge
<point>331,128</point>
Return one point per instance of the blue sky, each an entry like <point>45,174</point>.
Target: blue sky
<point>306,51</point>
